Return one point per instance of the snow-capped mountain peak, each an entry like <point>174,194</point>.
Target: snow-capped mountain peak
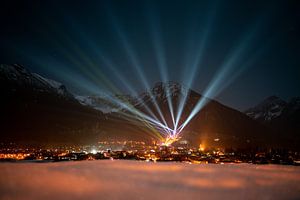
<point>268,109</point>
<point>162,90</point>
<point>168,88</point>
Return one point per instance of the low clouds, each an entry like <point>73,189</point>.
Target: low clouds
<point>141,180</point>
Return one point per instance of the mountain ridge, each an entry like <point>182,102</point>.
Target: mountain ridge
<point>44,115</point>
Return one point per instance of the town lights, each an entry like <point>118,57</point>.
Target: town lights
<point>201,147</point>
<point>170,139</point>
<point>94,151</point>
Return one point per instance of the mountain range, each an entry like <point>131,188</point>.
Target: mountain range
<point>35,109</point>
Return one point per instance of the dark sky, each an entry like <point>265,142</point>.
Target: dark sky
<point>247,50</point>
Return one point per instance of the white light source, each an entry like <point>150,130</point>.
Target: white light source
<point>93,151</point>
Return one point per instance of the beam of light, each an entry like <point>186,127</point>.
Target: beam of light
<point>225,74</point>
<point>130,108</point>
<point>61,72</point>
<point>137,114</point>
<point>193,67</point>
<point>90,63</point>
<point>93,70</point>
<point>170,139</point>
<point>158,129</point>
<point>193,70</point>
<point>134,111</point>
<point>154,127</point>
<point>135,63</point>
<point>95,74</point>
<point>160,55</point>
<point>90,87</point>
<point>133,118</point>
<point>106,61</point>
<point>82,62</point>
<point>125,83</point>
<point>149,122</point>
<point>141,116</point>
<point>111,86</point>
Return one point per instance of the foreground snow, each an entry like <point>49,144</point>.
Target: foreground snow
<point>107,179</point>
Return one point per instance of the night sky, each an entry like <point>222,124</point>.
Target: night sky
<point>244,50</point>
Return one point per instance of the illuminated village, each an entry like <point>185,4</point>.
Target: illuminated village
<point>176,151</point>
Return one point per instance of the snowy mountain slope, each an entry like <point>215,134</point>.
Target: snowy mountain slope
<point>36,109</point>
<point>160,92</point>
<point>269,109</point>
<point>60,88</point>
<point>97,103</point>
<point>273,108</point>
<point>18,75</point>
<point>283,117</point>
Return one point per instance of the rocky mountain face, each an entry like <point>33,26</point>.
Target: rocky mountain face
<point>268,109</point>
<point>36,109</point>
<point>283,117</point>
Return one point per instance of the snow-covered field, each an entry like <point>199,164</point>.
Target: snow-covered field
<point>105,179</point>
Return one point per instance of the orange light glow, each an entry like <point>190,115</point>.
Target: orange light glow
<point>170,140</point>
<point>201,147</point>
